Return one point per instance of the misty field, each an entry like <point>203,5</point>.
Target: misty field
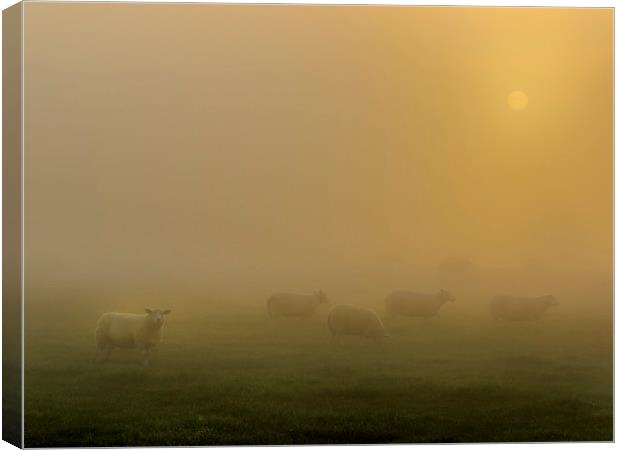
<point>231,375</point>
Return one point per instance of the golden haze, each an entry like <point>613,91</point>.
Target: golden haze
<point>315,139</point>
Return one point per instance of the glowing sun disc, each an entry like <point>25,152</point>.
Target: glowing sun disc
<point>517,100</point>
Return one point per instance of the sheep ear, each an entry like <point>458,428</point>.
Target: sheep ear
<point>148,310</point>
<point>166,311</point>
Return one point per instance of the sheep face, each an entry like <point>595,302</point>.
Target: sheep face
<point>446,296</point>
<point>322,297</point>
<point>156,316</point>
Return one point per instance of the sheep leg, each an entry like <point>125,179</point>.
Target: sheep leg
<point>106,353</point>
<point>103,353</point>
<point>146,352</point>
<point>336,338</point>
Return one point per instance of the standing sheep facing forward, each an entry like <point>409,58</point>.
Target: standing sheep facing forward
<point>355,320</point>
<point>119,330</point>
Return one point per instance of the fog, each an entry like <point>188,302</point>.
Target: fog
<point>206,158</point>
<point>217,151</point>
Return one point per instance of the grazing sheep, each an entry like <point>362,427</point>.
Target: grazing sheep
<point>119,330</point>
<point>295,305</point>
<point>355,320</point>
<point>414,304</point>
<point>507,307</point>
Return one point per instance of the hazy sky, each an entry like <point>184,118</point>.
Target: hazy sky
<point>167,137</point>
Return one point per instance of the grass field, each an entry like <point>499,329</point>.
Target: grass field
<point>233,376</point>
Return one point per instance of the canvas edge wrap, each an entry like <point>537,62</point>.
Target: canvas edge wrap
<point>12,209</point>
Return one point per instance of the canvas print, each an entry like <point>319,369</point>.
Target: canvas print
<point>301,224</point>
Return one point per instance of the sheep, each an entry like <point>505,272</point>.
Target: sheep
<point>355,320</point>
<point>413,304</point>
<point>507,307</point>
<point>120,330</point>
<point>295,305</point>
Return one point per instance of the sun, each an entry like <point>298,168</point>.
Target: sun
<point>517,100</point>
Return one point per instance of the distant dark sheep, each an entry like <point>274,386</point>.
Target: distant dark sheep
<point>507,307</point>
<point>455,272</point>
<point>415,304</point>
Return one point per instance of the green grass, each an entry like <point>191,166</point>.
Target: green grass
<point>233,376</point>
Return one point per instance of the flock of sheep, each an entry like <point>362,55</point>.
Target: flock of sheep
<point>143,331</point>
<point>345,319</point>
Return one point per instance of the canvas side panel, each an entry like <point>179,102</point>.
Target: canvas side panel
<point>12,224</point>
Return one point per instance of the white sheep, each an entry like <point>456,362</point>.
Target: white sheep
<point>120,330</point>
<point>355,320</point>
